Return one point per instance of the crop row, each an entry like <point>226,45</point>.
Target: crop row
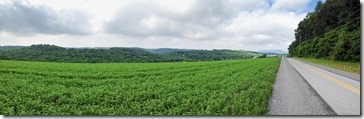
<point>236,87</point>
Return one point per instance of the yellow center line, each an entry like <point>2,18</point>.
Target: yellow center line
<point>356,91</point>
<point>350,88</point>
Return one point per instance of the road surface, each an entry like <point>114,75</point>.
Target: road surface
<point>303,89</point>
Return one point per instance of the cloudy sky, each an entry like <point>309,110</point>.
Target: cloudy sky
<point>197,24</point>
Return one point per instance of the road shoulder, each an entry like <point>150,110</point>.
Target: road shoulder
<point>350,75</point>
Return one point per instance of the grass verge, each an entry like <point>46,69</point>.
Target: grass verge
<point>346,66</point>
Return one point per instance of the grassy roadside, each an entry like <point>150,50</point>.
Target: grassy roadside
<point>346,66</point>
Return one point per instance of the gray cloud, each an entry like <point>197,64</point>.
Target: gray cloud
<point>22,18</point>
<point>197,22</point>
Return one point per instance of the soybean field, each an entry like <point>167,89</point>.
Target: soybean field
<point>230,87</point>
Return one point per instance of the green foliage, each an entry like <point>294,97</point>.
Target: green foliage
<point>166,50</point>
<point>332,31</point>
<point>10,47</point>
<point>338,45</point>
<point>52,53</point>
<point>263,56</point>
<point>206,55</point>
<point>340,49</point>
<point>234,87</point>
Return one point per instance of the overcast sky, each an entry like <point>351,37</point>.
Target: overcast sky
<point>197,24</point>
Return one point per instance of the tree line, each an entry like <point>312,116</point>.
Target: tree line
<point>52,53</point>
<point>331,31</point>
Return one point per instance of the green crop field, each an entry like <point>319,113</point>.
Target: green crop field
<point>234,87</point>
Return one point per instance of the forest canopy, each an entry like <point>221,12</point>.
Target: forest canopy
<point>52,53</point>
<point>331,31</point>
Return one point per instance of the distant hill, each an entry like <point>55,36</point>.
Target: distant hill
<point>52,53</point>
<point>203,55</point>
<point>10,47</point>
<point>272,52</point>
<point>166,50</point>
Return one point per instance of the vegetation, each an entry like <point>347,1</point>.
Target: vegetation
<point>263,56</point>
<point>205,55</point>
<point>165,50</point>
<point>10,47</point>
<point>52,53</point>
<point>346,66</point>
<point>331,32</point>
<point>234,87</point>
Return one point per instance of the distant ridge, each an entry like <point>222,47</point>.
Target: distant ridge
<point>9,47</point>
<point>272,51</point>
<point>53,53</point>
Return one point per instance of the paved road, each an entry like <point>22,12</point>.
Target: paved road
<point>303,89</point>
<point>336,71</point>
<point>293,96</point>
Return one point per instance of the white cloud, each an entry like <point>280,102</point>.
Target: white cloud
<point>289,4</point>
<point>198,24</point>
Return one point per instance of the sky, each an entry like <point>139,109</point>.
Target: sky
<point>194,24</point>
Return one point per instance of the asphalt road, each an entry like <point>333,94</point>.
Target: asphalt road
<point>293,96</point>
<point>303,89</point>
<point>336,71</point>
